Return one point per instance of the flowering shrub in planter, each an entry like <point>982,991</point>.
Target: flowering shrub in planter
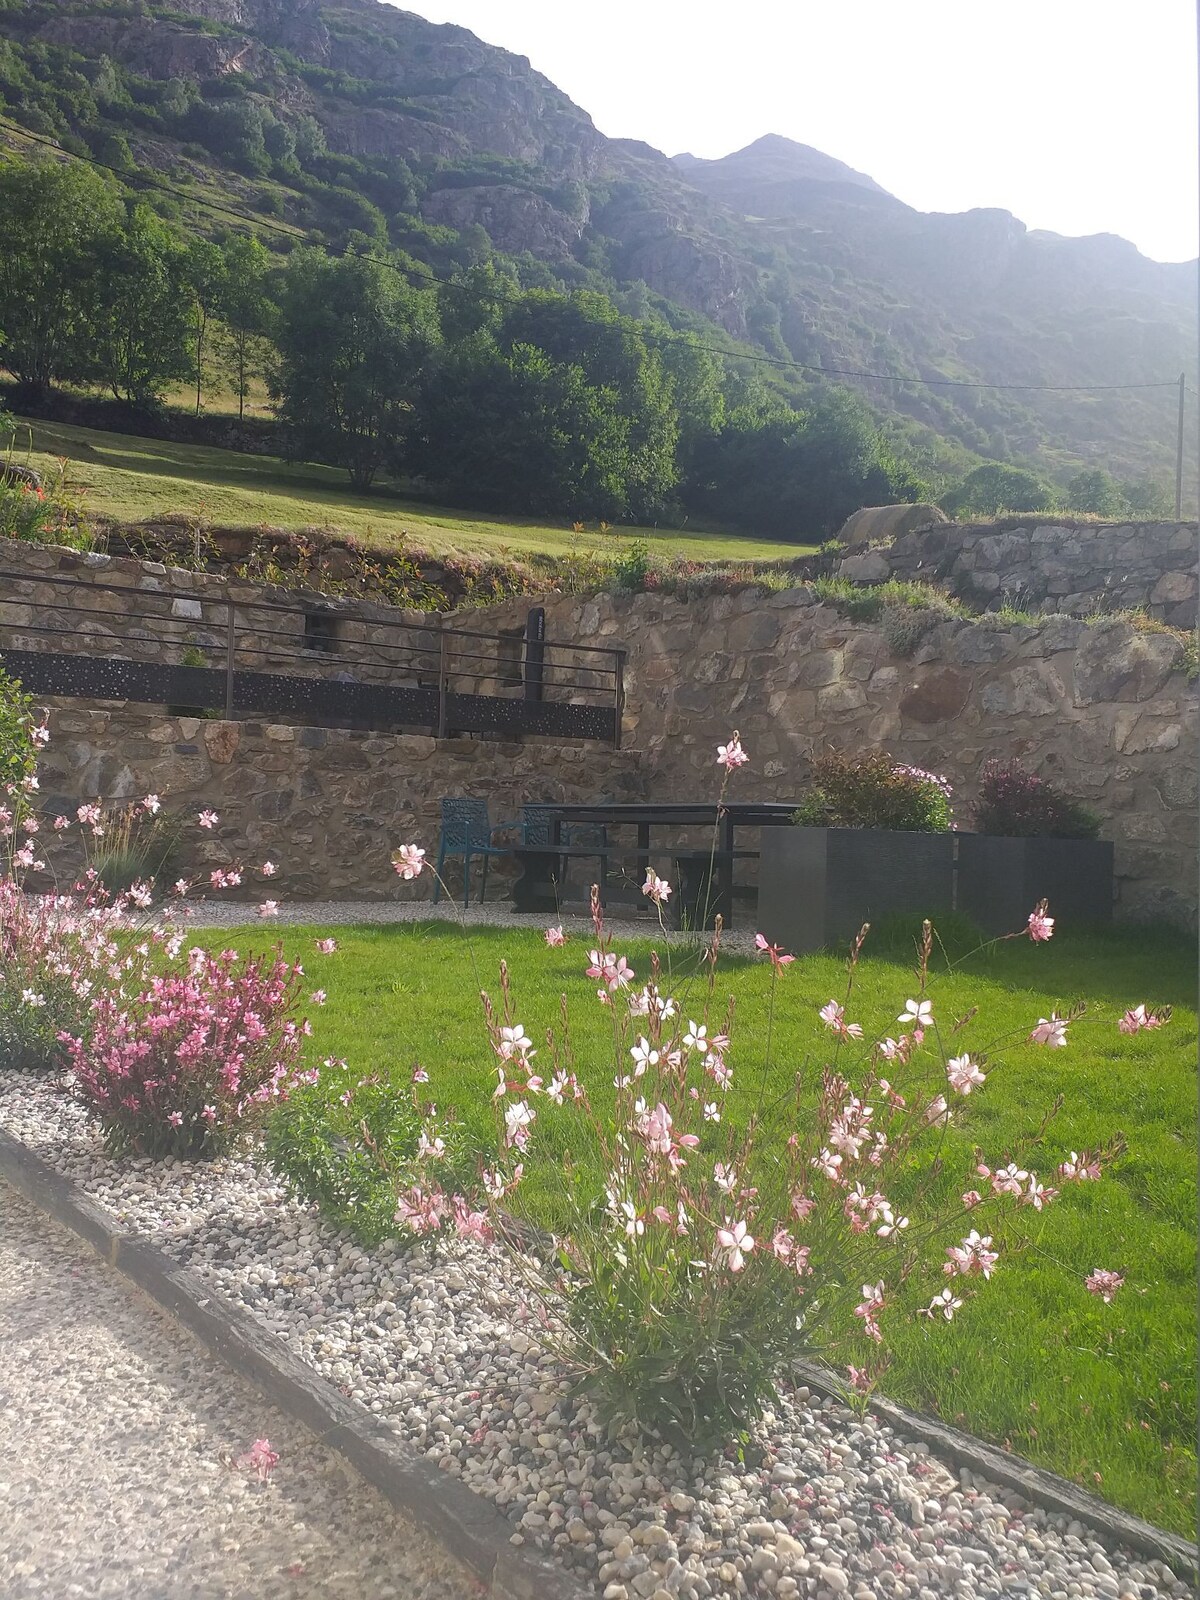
<point>1031,840</point>
<point>871,841</point>
<point>194,1057</point>
<point>873,791</point>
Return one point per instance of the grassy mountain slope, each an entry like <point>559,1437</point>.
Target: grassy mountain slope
<point>330,115</point>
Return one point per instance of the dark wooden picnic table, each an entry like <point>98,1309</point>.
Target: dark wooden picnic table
<point>645,817</point>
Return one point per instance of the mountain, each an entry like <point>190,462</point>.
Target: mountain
<point>327,115</point>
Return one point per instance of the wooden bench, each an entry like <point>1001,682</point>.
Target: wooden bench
<point>701,877</point>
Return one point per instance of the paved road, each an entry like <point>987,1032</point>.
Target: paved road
<point>117,1434</point>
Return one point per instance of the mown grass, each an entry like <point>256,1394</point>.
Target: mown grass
<point>135,480</point>
<point>1104,1394</point>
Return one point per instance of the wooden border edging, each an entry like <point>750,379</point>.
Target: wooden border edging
<point>468,1526</point>
<point>1032,1483</point>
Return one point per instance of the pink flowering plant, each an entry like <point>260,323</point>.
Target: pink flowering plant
<point>193,1057</point>
<point>873,791</point>
<point>709,1236</point>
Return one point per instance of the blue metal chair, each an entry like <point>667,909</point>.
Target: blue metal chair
<point>467,831</point>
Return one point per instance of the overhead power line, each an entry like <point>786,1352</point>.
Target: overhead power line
<point>426,275</point>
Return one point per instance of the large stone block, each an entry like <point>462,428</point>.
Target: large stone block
<point>1115,663</point>
<point>936,696</point>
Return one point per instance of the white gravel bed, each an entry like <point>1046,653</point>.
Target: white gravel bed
<point>119,1438</point>
<point>823,1505</point>
<point>492,914</point>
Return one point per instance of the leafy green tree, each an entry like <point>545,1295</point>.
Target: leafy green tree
<point>54,221</point>
<point>992,488</point>
<point>510,427</point>
<point>355,341</point>
<point>204,277</point>
<point>1097,492</point>
<point>246,312</point>
<point>796,474</point>
<point>1145,497</point>
<point>585,330</point>
<point>143,329</point>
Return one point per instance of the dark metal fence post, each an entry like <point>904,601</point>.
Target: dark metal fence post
<point>230,647</point>
<point>441,727</point>
<point>535,652</point>
<point>618,695</point>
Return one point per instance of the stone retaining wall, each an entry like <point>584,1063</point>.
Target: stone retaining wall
<point>1075,568</point>
<point>1104,707</point>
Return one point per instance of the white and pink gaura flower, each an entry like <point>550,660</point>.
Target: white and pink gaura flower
<point>1036,1194</point>
<point>779,959</point>
<point>1139,1017</point>
<point>409,861</point>
<point>1040,926</point>
<point>973,1255</point>
<point>514,1044</point>
<point>268,869</point>
<point>1104,1283</point>
<point>269,908</point>
<point>963,1074</point>
<point>1080,1168</point>
<point>152,805</point>
<point>834,1018</point>
<point>943,1305</point>
<point>736,1240</point>
<point>613,971</point>
<point>731,755</point>
<point>260,1458</point>
<point>518,1119</point>
<point>917,1012</point>
<point>971,1199</point>
<point>555,937</point>
<point>206,819</point>
<point>1051,1031</point>
<point>1006,1180</point>
<point>656,888</point>
<point>873,1295</point>
<point>326,946</point>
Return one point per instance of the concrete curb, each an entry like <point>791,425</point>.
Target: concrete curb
<point>468,1526</point>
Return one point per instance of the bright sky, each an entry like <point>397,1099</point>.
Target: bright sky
<point>1076,115</point>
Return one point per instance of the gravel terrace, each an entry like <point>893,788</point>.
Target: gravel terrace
<point>117,1440</point>
<point>823,1505</point>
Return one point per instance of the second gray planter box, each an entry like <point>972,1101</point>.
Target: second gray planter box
<point>817,886</point>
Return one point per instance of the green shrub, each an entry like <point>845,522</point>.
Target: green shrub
<point>137,848</point>
<point>349,1148</point>
<point>1017,804</point>
<point>873,791</point>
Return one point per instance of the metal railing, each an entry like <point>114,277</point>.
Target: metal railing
<point>338,665</point>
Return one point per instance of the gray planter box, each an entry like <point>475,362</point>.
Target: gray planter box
<point>1001,880</point>
<point>817,886</point>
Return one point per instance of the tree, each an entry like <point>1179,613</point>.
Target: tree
<point>586,331</point>
<point>992,488</point>
<point>142,331</point>
<point>354,342</point>
<point>1096,491</point>
<point>204,277</point>
<point>509,427</point>
<point>245,309</point>
<point>54,221</point>
<point>797,474</point>
<point>1145,497</point>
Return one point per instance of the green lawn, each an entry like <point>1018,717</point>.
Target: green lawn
<point>1103,1394</point>
<point>136,479</point>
